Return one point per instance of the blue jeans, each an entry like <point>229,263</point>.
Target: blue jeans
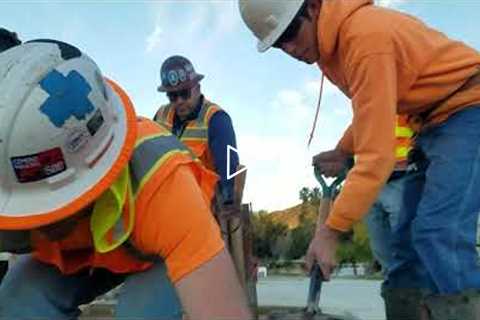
<point>434,243</point>
<point>382,218</point>
<point>34,290</point>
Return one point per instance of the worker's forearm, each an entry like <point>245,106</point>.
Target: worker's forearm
<point>225,298</point>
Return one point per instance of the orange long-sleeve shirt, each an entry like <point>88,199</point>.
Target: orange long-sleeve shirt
<point>386,62</point>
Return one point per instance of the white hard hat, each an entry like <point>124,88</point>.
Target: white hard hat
<point>268,19</point>
<point>65,135</point>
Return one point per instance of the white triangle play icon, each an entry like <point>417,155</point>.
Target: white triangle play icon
<point>230,176</point>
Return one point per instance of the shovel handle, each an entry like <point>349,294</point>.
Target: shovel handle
<point>328,190</point>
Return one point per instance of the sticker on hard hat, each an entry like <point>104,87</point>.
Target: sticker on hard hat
<point>67,97</point>
<point>173,77</point>
<point>76,139</point>
<point>95,122</point>
<point>38,166</point>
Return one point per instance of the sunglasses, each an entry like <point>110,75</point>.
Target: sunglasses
<point>184,94</point>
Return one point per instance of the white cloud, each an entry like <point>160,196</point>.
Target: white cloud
<point>313,86</point>
<point>279,164</point>
<point>389,3</point>
<point>154,39</point>
<point>199,29</point>
<point>278,167</point>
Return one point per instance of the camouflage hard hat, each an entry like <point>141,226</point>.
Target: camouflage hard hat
<point>177,73</point>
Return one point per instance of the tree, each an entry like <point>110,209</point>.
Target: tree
<point>356,249</point>
<point>300,239</point>
<point>304,194</point>
<point>315,196</point>
<point>266,234</point>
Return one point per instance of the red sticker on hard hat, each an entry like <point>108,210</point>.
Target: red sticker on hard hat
<point>38,166</point>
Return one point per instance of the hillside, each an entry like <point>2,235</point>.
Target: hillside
<point>291,216</point>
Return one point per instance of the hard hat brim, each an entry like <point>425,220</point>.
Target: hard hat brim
<point>184,85</point>
<point>266,43</point>
<point>263,47</point>
<point>103,179</point>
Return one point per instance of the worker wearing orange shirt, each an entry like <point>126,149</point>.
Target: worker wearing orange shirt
<point>100,197</point>
<point>389,63</point>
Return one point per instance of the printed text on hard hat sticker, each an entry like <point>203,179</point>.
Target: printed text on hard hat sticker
<point>38,166</point>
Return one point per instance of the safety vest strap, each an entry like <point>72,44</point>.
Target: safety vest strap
<point>198,130</point>
<point>164,117</point>
<point>195,134</point>
<point>150,153</point>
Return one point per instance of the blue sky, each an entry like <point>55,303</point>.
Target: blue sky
<point>270,97</point>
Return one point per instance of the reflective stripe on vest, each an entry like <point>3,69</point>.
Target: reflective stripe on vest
<point>109,229</point>
<point>402,152</point>
<point>195,134</point>
<point>403,132</point>
<point>403,135</point>
<point>149,154</point>
<point>197,130</point>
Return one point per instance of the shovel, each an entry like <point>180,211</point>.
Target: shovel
<point>316,276</point>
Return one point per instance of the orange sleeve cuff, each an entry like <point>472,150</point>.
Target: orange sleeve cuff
<point>337,222</point>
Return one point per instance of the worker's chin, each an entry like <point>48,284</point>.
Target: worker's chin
<point>182,112</point>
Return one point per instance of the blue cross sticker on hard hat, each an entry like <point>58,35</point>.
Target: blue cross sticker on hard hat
<point>230,176</point>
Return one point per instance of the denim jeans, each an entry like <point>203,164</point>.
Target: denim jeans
<point>382,218</point>
<point>434,242</point>
<point>34,290</point>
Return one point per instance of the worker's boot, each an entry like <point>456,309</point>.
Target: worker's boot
<point>404,304</point>
<point>464,306</point>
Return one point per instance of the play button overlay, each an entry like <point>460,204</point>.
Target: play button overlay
<point>230,176</point>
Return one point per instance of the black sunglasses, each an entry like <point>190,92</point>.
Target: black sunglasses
<point>293,28</point>
<point>184,94</point>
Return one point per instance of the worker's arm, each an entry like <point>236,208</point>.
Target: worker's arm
<point>179,227</point>
<point>224,298</point>
<point>346,141</point>
<point>373,85</point>
<point>221,134</point>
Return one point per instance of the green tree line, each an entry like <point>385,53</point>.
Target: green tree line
<point>273,240</point>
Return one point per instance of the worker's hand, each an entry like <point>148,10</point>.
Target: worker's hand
<point>228,211</point>
<point>322,250</point>
<point>331,163</point>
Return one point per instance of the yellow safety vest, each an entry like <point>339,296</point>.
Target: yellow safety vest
<point>403,135</point>
<point>195,135</point>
